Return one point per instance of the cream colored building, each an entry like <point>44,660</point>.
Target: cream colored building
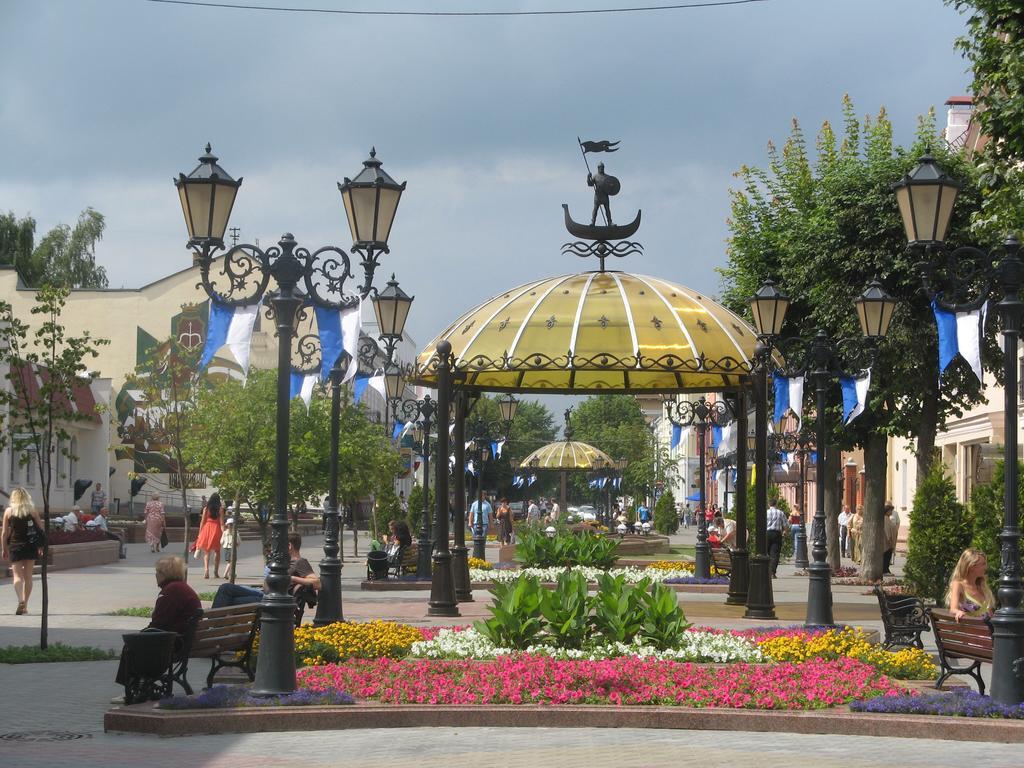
<point>135,320</point>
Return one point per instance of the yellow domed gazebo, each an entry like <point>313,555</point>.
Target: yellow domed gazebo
<point>567,455</point>
<point>597,332</point>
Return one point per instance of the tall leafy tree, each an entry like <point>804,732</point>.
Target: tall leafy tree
<point>40,404</point>
<point>66,256</point>
<point>994,46</point>
<point>822,227</point>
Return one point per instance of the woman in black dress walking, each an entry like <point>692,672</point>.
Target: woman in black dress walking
<point>20,545</point>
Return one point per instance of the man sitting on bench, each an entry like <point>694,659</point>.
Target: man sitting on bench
<point>300,573</point>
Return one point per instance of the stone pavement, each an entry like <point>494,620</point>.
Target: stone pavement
<point>72,697</point>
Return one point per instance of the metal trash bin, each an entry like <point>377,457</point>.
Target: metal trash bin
<point>377,563</point>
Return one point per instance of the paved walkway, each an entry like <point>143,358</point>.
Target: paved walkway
<point>71,698</point>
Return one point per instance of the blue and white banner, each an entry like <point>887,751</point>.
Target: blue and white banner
<point>716,438</point>
<point>496,446</point>
<point>351,323</point>
<point>231,326</point>
<point>677,435</point>
<point>960,333</point>
<point>855,395</point>
<point>375,382</point>
<point>789,395</point>
<point>617,483</point>
<point>302,386</point>
<point>328,326</point>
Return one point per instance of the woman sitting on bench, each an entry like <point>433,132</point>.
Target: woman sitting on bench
<point>398,539</point>
<point>969,593</point>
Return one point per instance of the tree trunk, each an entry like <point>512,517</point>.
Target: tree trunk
<point>828,473</point>
<point>184,506</point>
<point>927,424</point>
<point>876,451</point>
<point>44,618</point>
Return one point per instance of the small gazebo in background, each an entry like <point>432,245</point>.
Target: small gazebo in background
<point>566,456</point>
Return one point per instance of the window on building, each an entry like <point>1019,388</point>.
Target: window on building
<point>15,468</point>
<point>73,461</point>
<point>1020,380</point>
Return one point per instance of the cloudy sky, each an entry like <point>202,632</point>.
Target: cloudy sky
<point>103,101</point>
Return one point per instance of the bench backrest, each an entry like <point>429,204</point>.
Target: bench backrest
<point>410,556</point>
<point>225,629</point>
<point>968,638</point>
<point>901,609</point>
<point>721,556</point>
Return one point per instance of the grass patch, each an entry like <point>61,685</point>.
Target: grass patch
<point>207,596</point>
<point>32,654</point>
<point>142,612</point>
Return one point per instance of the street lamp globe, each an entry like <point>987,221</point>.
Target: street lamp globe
<point>925,197</point>
<point>371,200</point>
<point>508,406</point>
<point>874,309</point>
<point>394,382</point>
<point>207,197</point>
<point>769,306</point>
<point>391,306</point>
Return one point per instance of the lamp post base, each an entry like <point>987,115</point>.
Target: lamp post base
<point>460,573</point>
<point>275,665</point>
<point>480,546</point>
<point>423,552</point>
<point>739,578</point>
<point>702,560</point>
<point>1008,655</point>
<point>328,601</point>
<point>442,587</point>
<point>819,596</point>
<point>760,600</point>
<point>800,549</point>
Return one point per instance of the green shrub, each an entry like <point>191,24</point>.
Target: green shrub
<point>415,516</point>
<point>32,654</point>
<point>144,612</point>
<point>665,518</point>
<point>987,510</point>
<point>663,619</point>
<point>566,610</point>
<point>388,508</point>
<point>618,610</point>
<point>940,529</point>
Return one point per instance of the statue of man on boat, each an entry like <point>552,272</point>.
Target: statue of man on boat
<point>605,187</point>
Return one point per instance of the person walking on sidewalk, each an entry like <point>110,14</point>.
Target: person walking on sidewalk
<point>776,528</point>
<point>209,535</point>
<point>156,522</point>
<point>22,544</point>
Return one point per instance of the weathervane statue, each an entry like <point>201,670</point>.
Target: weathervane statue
<point>605,187</point>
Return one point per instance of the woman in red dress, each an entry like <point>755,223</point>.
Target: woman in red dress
<point>209,535</point>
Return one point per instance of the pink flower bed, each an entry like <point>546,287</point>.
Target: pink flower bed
<point>527,679</point>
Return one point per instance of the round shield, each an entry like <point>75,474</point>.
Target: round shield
<point>610,185</point>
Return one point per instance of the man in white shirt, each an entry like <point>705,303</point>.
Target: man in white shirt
<point>777,525</point>
<point>71,521</point>
<point>478,521</point>
<point>844,531</point>
<point>532,513</point>
<point>553,515</point>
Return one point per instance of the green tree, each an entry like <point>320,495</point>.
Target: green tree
<point>822,230</point>
<point>616,425</point>
<point>39,416</point>
<point>66,255</point>
<point>940,529</point>
<point>169,385</point>
<point>994,46</point>
<point>665,518</point>
<point>987,512</point>
<point>416,508</point>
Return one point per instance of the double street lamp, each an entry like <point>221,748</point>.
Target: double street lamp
<point>769,306</point>
<point>970,277</point>
<point>207,197</point>
<point>701,414</point>
<point>484,434</point>
<point>799,444</point>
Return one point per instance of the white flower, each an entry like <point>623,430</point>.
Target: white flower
<point>632,575</point>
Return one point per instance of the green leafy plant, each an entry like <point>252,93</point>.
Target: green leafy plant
<point>987,511</point>
<point>940,529</point>
<point>566,610</point>
<point>537,550</point>
<point>618,613</point>
<point>663,618</point>
<point>30,654</point>
<point>516,618</point>
<point>665,518</point>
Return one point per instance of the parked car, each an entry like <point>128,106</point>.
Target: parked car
<point>518,509</point>
<point>587,513</point>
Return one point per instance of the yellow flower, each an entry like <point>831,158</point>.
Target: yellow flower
<point>483,565</point>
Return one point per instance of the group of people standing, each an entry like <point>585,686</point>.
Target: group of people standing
<point>851,534</point>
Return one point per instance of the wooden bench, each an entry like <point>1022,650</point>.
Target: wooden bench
<point>969,639</point>
<point>904,619</point>
<point>405,562</point>
<point>225,636</point>
<point>721,560</point>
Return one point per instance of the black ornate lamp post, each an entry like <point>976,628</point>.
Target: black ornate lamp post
<point>874,309</point>
<point>207,196</point>
<point>482,438</point>
<point>701,415</point>
<point>926,196</point>
<point>424,410</point>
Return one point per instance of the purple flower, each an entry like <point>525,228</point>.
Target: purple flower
<point>958,703</point>
<point>224,696</point>
<point>695,580</point>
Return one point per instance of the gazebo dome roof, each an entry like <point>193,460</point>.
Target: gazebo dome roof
<point>567,455</point>
<point>597,331</point>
